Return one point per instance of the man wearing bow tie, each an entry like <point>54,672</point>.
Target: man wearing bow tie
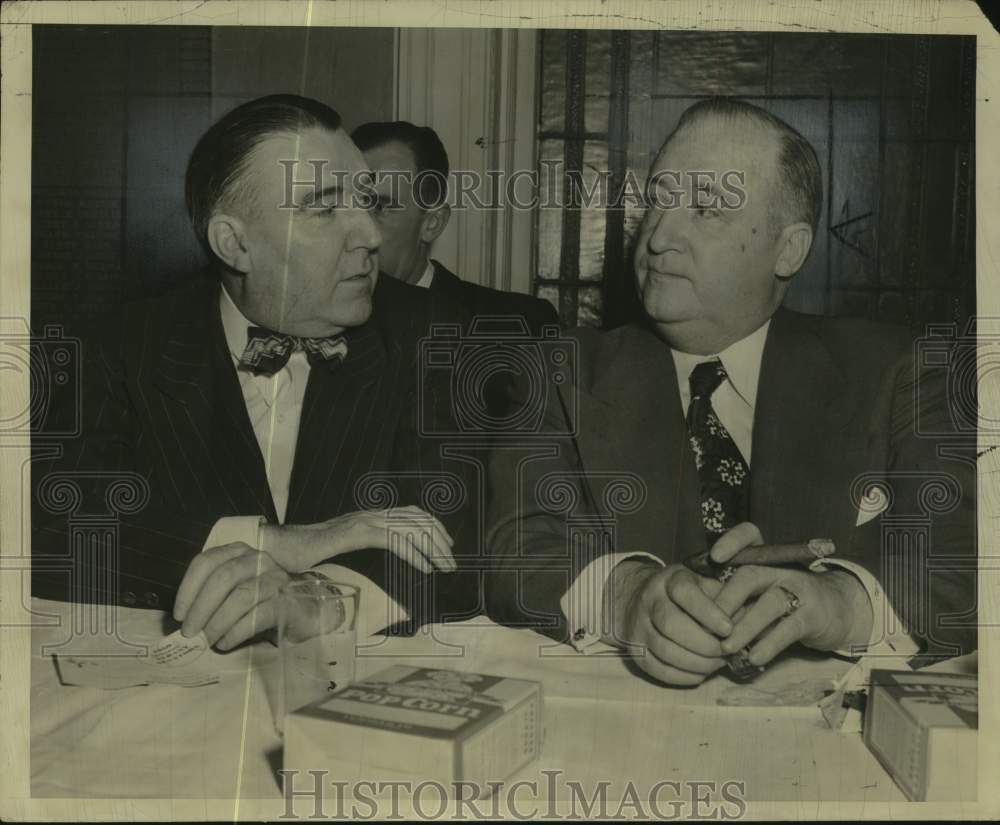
<point>255,404</point>
<point>734,421</point>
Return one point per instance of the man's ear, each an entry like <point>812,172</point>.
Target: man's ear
<point>227,237</point>
<point>794,241</point>
<point>434,223</point>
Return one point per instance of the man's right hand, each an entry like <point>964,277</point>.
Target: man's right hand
<point>667,620</point>
<point>409,532</point>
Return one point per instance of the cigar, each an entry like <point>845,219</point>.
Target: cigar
<point>769,555</point>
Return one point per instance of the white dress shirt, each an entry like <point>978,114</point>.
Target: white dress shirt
<point>274,405</point>
<point>427,277</point>
<point>734,402</point>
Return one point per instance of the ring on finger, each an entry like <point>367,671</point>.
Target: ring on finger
<point>792,602</point>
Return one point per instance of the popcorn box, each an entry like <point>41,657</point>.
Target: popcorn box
<point>923,728</point>
<point>419,724</point>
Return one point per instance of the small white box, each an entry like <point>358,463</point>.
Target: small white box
<point>923,728</point>
<point>419,724</point>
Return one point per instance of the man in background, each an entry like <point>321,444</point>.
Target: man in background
<point>411,209</point>
<point>411,169</point>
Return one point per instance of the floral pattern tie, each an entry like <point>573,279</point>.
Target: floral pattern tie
<point>724,475</point>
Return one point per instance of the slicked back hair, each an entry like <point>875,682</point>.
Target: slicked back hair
<point>429,155</point>
<point>217,172</point>
<point>798,193</point>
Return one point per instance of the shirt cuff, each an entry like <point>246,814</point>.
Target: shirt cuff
<point>894,642</point>
<point>235,528</point>
<point>377,610</point>
<point>583,603</point>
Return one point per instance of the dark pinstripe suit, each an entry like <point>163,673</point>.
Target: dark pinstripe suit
<point>163,400</point>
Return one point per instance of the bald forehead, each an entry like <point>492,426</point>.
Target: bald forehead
<point>285,164</point>
<point>720,140</point>
<point>312,147</point>
<point>721,145</point>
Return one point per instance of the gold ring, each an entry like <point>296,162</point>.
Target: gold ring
<point>792,602</point>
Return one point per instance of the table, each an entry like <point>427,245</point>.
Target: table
<point>602,721</point>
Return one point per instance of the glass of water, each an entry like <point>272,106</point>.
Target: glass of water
<point>317,634</point>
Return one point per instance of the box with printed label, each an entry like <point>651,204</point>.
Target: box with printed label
<point>419,724</point>
<point>923,728</point>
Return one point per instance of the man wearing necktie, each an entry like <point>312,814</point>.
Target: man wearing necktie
<point>256,405</point>
<point>735,421</point>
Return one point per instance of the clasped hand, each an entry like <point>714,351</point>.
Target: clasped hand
<point>679,626</point>
<point>229,591</point>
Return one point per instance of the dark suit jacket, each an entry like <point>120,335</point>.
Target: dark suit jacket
<point>510,318</point>
<point>162,405</point>
<point>481,300</point>
<point>835,413</point>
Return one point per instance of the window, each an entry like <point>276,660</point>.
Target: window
<point>891,119</point>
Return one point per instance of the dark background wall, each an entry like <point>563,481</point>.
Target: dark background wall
<point>116,112</point>
<point>891,118</point>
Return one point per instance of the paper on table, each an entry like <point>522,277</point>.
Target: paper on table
<point>173,660</point>
<point>803,693</point>
<point>176,649</point>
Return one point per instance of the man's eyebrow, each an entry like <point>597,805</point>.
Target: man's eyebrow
<point>319,195</point>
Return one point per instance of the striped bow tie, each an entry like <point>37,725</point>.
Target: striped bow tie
<point>268,351</point>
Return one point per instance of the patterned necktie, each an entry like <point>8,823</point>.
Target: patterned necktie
<point>268,351</point>
<point>724,475</point>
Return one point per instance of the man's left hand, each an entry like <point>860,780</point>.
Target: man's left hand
<point>823,610</point>
<point>229,592</point>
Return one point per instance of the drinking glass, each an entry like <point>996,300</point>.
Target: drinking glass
<point>317,634</point>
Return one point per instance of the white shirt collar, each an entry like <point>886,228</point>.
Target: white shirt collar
<point>427,277</point>
<point>234,323</point>
<point>741,361</point>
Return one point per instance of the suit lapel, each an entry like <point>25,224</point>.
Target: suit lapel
<point>343,424</point>
<point>800,443</point>
<point>203,399</point>
<point>448,283</point>
<point>444,278</point>
<point>630,419</point>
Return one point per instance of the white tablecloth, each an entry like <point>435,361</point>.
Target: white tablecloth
<point>602,722</point>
